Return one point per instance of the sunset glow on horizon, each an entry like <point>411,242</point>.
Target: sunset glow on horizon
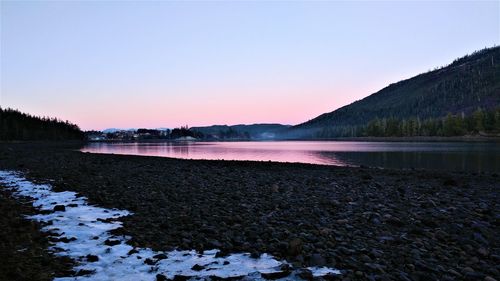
<point>167,64</point>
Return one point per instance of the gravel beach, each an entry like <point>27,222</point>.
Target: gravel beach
<point>23,248</point>
<point>373,224</point>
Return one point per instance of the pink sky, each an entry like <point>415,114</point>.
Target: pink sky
<point>244,106</point>
<point>130,64</point>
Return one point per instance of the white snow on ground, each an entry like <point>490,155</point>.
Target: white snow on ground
<point>86,228</point>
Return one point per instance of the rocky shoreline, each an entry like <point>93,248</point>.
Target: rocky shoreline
<point>23,247</point>
<point>374,224</point>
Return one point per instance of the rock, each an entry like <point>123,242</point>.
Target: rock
<point>450,182</point>
<point>197,267</point>
<point>66,239</point>
<point>365,258</point>
<point>454,273</point>
<point>283,246</point>
<point>333,277</point>
<point>376,267</point>
<point>133,251</point>
<point>366,177</point>
<point>161,277</point>
<point>59,208</point>
<point>221,254</point>
<point>83,272</point>
<point>149,261</point>
<point>295,247</point>
<point>232,278</point>
<point>305,274</point>
<point>483,252</point>
<point>404,276</point>
<point>110,242</point>
<point>276,275</point>
<point>410,266</point>
<point>489,278</point>
<point>480,238</point>
<point>474,276</point>
<point>317,260</point>
<point>468,269</point>
<point>429,223</point>
<point>255,255</point>
<point>160,256</point>
<point>92,258</point>
<point>215,244</point>
<point>374,253</point>
<point>395,222</point>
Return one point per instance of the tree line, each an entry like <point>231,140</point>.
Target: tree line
<point>15,125</point>
<point>145,134</point>
<point>184,131</point>
<point>480,122</point>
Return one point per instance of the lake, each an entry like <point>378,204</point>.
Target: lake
<point>451,156</point>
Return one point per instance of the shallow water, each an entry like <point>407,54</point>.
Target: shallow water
<point>452,156</point>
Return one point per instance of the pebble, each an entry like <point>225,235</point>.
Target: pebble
<point>317,260</point>
<point>295,247</point>
<point>92,258</point>
<point>59,208</point>
<point>197,267</point>
<point>276,275</point>
<point>305,274</point>
<point>161,277</point>
<point>160,256</point>
<point>111,242</point>
<point>483,252</point>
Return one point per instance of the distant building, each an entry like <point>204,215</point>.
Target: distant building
<point>96,137</point>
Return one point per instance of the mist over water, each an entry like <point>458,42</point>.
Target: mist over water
<point>471,157</point>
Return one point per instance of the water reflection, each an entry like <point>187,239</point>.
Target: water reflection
<point>452,161</point>
<point>477,157</point>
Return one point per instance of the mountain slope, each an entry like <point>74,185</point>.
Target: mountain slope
<point>460,88</point>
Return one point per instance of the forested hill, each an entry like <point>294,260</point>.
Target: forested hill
<point>15,125</point>
<point>469,83</point>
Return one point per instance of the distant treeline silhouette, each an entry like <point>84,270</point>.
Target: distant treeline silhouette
<point>184,131</point>
<point>15,125</point>
<point>144,134</point>
<point>479,123</point>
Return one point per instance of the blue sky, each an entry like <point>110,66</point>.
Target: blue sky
<point>164,64</point>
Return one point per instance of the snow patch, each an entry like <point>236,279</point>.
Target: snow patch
<point>82,232</point>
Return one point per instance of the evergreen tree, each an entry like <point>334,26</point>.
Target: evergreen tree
<point>451,125</point>
<point>478,120</point>
<point>21,126</point>
<point>497,120</point>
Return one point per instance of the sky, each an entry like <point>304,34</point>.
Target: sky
<point>131,64</point>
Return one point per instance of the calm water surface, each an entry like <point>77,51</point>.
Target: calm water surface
<point>474,157</point>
